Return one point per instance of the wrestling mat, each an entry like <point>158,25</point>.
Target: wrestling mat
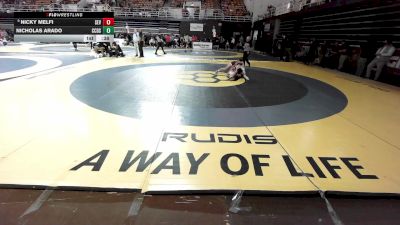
<point>170,124</point>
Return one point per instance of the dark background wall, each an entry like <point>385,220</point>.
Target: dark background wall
<point>228,28</point>
<point>356,21</point>
<point>225,29</point>
<point>149,25</point>
<point>265,37</point>
<point>184,28</point>
<point>6,21</point>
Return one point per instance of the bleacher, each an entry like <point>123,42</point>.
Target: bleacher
<point>363,25</point>
<point>210,4</point>
<point>8,1</point>
<point>26,2</point>
<point>69,1</point>
<point>233,7</point>
<point>47,2</point>
<point>151,4</point>
<point>356,22</point>
<point>146,4</point>
<point>43,2</point>
<point>177,3</point>
<point>234,10</point>
<point>147,26</point>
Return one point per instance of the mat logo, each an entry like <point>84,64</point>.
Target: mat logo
<point>233,164</point>
<point>219,138</point>
<point>206,78</point>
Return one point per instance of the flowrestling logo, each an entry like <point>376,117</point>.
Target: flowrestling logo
<point>64,15</point>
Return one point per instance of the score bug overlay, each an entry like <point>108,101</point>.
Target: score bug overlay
<point>64,26</point>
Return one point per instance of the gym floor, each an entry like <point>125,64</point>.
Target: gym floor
<point>165,140</point>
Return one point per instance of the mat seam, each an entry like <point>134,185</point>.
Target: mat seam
<point>333,215</point>
<point>160,138</point>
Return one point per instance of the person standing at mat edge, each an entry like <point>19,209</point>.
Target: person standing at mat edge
<point>160,44</point>
<point>246,53</point>
<point>75,46</point>
<point>136,39</point>
<point>141,44</point>
<point>382,57</point>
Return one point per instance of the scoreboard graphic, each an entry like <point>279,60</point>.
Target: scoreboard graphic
<point>64,26</point>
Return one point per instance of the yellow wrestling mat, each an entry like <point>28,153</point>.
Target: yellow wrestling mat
<point>168,123</point>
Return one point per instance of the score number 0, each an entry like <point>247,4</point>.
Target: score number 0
<point>108,21</point>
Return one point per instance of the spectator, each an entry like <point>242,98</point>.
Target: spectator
<point>221,42</point>
<point>190,42</point>
<point>345,52</point>
<point>286,49</point>
<point>186,41</point>
<point>366,55</point>
<point>75,46</point>
<point>326,54</point>
<point>239,46</point>
<point>227,44</point>
<point>248,39</point>
<point>168,40</point>
<point>351,64</point>
<point>194,38</point>
<point>323,50</point>
<point>297,51</point>
<point>3,41</point>
<point>276,47</point>
<point>214,32</point>
<point>312,53</point>
<point>152,42</point>
<point>176,41</point>
<point>333,56</point>
<point>116,50</point>
<point>241,39</point>
<point>382,57</point>
<point>232,42</point>
<point>99,49</point>
<point>216,43</point>
<point>128,39</point>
